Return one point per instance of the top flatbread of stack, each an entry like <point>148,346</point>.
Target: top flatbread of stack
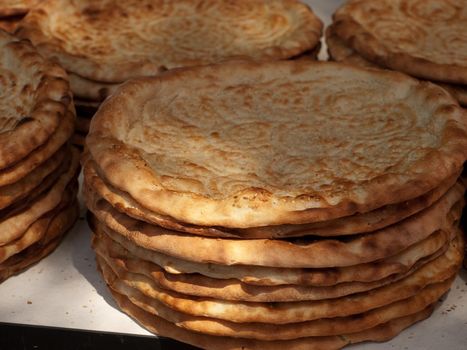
<point>111,41</point>
<point>426,39</point>
<point>205,148</point>
<point>34,97</point>
<point>339,51</point>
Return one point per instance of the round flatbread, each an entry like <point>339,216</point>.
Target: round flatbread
<point>161,327</point>
<point>12,227</point>
<point>424,38</point>
<point>49,241</point>
<point>40,155</point>
<point>262,331</point>
<point>112,41</point>
<point>121,248</point>
<point>144,274</point>
<point>354,224</point>
<point>339,51</point>
<point>439,270</point>
<point>40,178</point>
<point>293,142</point>
<point>296,253</point>
<point>36,231</point>
<point>34,98</point>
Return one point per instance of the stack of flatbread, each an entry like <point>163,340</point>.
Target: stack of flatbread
<point>103,43</point>
<point>426,39</point>
<point>38,168</point>
<point>283,205</point>
<point>12,11</point>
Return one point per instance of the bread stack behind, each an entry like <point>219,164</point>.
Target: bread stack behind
<point>38,167</point>
<point>278,205</point>
<point>426,39</point>
<point>102,44</point>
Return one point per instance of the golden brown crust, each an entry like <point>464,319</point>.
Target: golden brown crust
<point>111,41</point>
<point>439,270</point>
<point>35,99</point>
<point>339,51</point>
<point>40,155</point>
<point>161,327</point>
<point>129,266</point>
<point>40,178</point>
<point>426,39</point>
<point>37,230</point>
<point>14,226</point>
<point>298,253</point>
<point>354,224</point>
<point>270,332</point>
<point>57,228</point>
<point>272,166</point>
<point>268,276</point>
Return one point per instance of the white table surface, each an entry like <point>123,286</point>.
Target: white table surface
<point>65,290</point>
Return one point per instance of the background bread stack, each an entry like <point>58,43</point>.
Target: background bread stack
<point>426,39</point>
<point>102,44</point>
<point>280,205</point>
<point>38,168</point>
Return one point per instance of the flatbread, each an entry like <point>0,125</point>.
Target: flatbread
<point>296,253</point>
<point>16,7</point>
<point>52,238</point>
<point>161,327</point>
<point>41,177</point>
<point>38,192</point>
<point>120,247</point>
<point>284,153</point>
<point>354,224</point>
<point>261,331</point>
<point>112,41</point>
<point>35,97</point>
<point>40,155</point>
<point>141,274</point>
<point>426,39</point>
<point>441,269</point>
<point>37,229</point>
<point>339,51</point>
<point>12,227</point>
